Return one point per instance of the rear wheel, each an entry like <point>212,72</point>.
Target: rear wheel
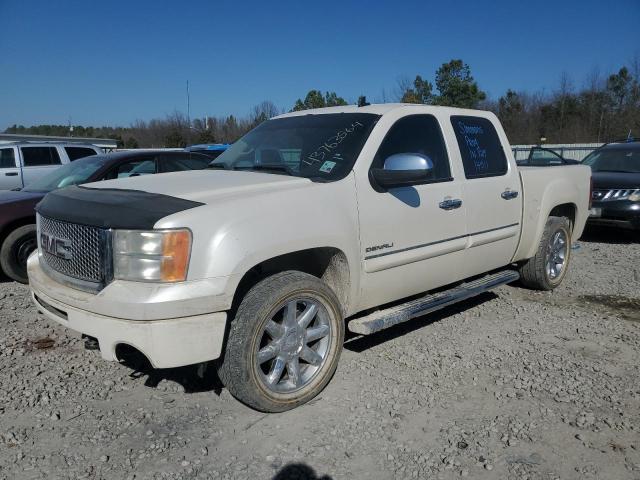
<point>547,268</point>
<point>15,251</point>
<point>284,342</point>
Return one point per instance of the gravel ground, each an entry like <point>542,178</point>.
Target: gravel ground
<point>513,384</point>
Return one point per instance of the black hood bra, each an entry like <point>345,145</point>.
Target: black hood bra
<point>110,207</point>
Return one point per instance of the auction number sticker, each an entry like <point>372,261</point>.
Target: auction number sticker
<point>327,166</point>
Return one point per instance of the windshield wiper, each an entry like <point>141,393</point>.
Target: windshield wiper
<point>617,171</point>
<point>217,166</point>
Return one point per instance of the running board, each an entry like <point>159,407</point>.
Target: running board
<point>391,316</point>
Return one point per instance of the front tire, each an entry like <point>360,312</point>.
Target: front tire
<point>547,268</point>
<point>284,342</point>
<point>15,250</point>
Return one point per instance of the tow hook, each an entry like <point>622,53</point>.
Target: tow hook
<point>91,343</point>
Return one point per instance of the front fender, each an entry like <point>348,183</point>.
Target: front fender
<point>232,237</point>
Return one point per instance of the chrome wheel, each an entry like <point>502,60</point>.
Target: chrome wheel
<point>556,254</point>
<point>294,345</point>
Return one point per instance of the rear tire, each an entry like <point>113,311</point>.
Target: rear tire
<point>547,268</point>
<point>15,250</point>
<point>284,342</point>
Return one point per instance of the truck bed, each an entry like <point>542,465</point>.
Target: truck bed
<point>544,187</point>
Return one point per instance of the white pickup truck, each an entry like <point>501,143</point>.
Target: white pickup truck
<point>314,222</point>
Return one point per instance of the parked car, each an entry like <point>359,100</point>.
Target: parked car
<point>213,150</point>
<point>22,163</point>
<point>616,184</point>
<point>17,214</point>
<point>545,157</point>
<point>258,261</point>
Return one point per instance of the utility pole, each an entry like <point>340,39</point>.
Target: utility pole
<point>188,116</point>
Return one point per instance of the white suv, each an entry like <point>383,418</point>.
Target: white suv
<point>22,163</point>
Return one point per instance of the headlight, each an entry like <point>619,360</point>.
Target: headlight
<point>154,256</point>
<point>635,196</point>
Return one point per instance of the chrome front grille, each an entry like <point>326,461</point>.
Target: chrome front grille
<point>77,252</point>
<point>606,195</point>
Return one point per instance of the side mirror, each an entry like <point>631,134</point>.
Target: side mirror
<point>403,170</point>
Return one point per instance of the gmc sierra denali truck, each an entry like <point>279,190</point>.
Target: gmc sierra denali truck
<point>315,221</point>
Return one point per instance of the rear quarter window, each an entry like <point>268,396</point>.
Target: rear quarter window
<point>480,147</point>
<point>75,153</point>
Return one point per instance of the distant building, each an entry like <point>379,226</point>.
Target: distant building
<point>106,144</point>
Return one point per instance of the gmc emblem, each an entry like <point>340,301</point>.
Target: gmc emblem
<point>58,247</point>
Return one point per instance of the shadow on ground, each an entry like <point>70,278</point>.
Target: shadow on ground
<point>298,471</point>
<point>202,377</point>
<point>610,235</point>
<point>356,343</point>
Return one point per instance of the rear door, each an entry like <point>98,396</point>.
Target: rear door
<point>492,194</point>
<point>9,171</point>
<point>38,161</point>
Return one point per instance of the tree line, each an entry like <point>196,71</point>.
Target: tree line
<point>605,108</point>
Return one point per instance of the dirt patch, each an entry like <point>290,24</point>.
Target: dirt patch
<point>39,344</point>
<point>625,307</point>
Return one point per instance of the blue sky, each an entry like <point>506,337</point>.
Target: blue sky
<point>110,63</point>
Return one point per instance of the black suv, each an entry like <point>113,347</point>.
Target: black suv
<point>616,184</point>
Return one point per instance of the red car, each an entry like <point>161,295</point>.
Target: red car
<point>17,215</point>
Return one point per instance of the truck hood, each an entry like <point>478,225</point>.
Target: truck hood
<point>205,186</point>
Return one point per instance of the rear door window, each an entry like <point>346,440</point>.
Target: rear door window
<point>480,147</point>
<point>7,158</point>
<point>40,156</point>
<point>75,153</point>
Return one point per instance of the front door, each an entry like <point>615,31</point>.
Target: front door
<point>492,193</point>
<point>412,238</point>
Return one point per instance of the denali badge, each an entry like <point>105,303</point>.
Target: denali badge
<point>58,247</point>
<point>379,247</point>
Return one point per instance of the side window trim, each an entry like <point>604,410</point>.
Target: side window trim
<point>445,148</point>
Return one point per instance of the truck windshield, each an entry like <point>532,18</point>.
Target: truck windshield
<point>625,160</point>
<point>73,173</point>
<point>321,147</point>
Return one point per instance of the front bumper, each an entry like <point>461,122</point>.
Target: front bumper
<point>166,342</point>
<point>619,213</point>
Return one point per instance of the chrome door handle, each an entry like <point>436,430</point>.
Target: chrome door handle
<point>509,194</point>
<point>450,204</point>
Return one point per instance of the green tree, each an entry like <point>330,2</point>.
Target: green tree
<point>174,139</point>
<point>315,99</point>
<point>131,143</point>
<point>421,92</point>
<point>619,87</point>
<point>456,86</point>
